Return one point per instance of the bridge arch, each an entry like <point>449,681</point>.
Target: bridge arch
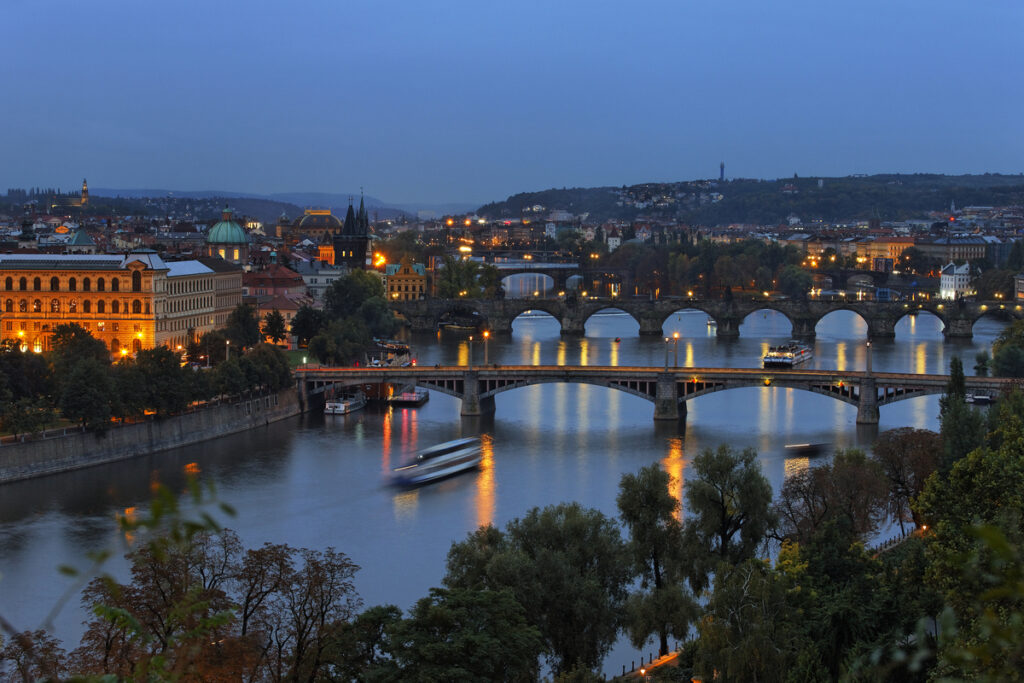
<point>528,285</point>
<point>688,317</point>
<point>920,321</point>
<point>760,318</point>
<point>856,322</point>
<point>605,308</point>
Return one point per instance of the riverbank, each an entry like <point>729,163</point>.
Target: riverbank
<point>75,450</point>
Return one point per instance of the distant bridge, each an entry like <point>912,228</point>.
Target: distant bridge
<point>958,317</point>
<point>668,388</point>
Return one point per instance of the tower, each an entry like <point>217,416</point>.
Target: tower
<point>721,171</point>
<point>352,243</point>
<point>85,193</point>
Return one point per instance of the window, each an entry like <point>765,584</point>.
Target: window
<point>87,306</point>
<point>9,283</point>
<point>101,306</point>
<point>136,305</point>
<point>86,285</point>
<point>115,284</point>
<point>115,305</point>
<point>23,284</point>
<point>23,306</point>
<point>101,285</point>
<point>115,346</point>
<point>147,308</point>
<point>136,281</point>
<point>10,326</point>
<point>37,284</point>
<point>73,306</point>
<point>54,284</point>
<point>37,306</point>
<point>72,285</point>
<point>9,305</point>
<point>54,306</point>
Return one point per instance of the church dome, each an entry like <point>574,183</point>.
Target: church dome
<point>226,231</point>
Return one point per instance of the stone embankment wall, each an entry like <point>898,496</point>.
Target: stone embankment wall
<point>38,457</point>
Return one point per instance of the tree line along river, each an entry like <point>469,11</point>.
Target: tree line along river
<point>317,481</point>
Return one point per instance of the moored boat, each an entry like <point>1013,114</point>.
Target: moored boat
<point>440,461</point>
<point>787,355</point>
<point>416,397</point>
<point>344,406</point>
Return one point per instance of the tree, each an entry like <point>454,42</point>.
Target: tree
<point>342,342</point>
<point>649,512</point>
<point>795,282</point>
<point>33,656</point>
<point>566,565</point>
<point>274,327</point>
<point>851,488</point>
<point>270,365</point>
<point>729,511</point>
<point>345,295</point>
<point>27,416</point>
<point>465,279</point>
<point>243,326</point>
<point>160,372</point>
<point>306,322</point>
<point>982,363</point>
<point>86,395</point>
<point>962,427</point>
<point>907,457</point>
<point>467,635</point>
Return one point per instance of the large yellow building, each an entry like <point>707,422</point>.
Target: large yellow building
<point>129,302</point>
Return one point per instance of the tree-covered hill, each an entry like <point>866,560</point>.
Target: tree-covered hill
<point>709,202</point>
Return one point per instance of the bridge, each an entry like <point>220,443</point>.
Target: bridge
<point>668,388</point>
<point>958,317</point>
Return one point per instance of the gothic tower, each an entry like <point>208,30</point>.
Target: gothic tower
<point>85,193</point>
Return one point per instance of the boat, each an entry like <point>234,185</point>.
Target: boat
<point>440,461</point>
<point>787,355</point>
<point>346,405</point>
<point>416,397</point>
<point>712,322</point>
<point>979,398</point>
<point>618,339</point>
<point>804,450</point>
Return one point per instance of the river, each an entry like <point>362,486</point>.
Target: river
<point>317,481</point>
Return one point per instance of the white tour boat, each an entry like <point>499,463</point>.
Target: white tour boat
<point>440,461</point>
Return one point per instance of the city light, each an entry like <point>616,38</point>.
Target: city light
<point>379,260</point>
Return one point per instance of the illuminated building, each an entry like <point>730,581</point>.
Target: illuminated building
<point>129,302</point>
<point>227,239</point>
<point>405,281</point>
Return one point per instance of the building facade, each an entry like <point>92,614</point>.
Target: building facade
<point>405,281</point>
<point>955,281</point>
<point>129,302</point>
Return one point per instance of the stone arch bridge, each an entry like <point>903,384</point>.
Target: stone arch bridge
<point>958,317</point>
<point>668,388</point>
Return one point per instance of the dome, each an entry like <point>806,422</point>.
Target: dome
<point>226,231</point>
<point>319,219</point>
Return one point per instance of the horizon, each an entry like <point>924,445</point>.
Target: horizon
<point>468,104</point>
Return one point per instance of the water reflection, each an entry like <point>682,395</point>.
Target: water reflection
<point>675,466</point>
<point>485,486</point>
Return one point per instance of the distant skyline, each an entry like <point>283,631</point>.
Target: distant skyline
<point>471,102</point>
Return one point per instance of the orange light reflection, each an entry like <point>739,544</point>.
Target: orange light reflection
<point>485,487</point>
<point>675,465</point>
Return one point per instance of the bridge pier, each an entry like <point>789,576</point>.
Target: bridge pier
<point>666,397</point>
<point>472,404</point>
<point>881,328</point>
<point>803,328</point>
<point>573,326</point>
<point>867,406</point>
<point>728,328</point>
<point>958,328</point>
<point>499,325</point>
<point>650,327</point>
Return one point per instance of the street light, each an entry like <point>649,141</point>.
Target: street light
<point>675,348</point>
<point>227,349</point>
<point>487,336</point>
<point>869,356</point>
<point>470,351</point>
<point>666,354</point>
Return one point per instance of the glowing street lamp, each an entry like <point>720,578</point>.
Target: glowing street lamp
<point>227,349</point>
<point>675,348</point>
<point>487,336</point>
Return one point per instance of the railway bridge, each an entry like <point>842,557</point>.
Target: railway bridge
<point>958,317</point>
<point>667,388</point>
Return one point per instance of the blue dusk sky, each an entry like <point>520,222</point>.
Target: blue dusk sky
<point>473,101</point>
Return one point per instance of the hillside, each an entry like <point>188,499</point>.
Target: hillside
<point>766,202</point>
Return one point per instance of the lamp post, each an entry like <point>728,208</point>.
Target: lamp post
<point>470,351</point>
<point>675,349</point>
<point>666,354</point>
<point>487,336</point>
<point>869,356</point>
<point>227,349</point>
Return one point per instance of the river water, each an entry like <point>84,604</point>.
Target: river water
<point>317,481</point>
